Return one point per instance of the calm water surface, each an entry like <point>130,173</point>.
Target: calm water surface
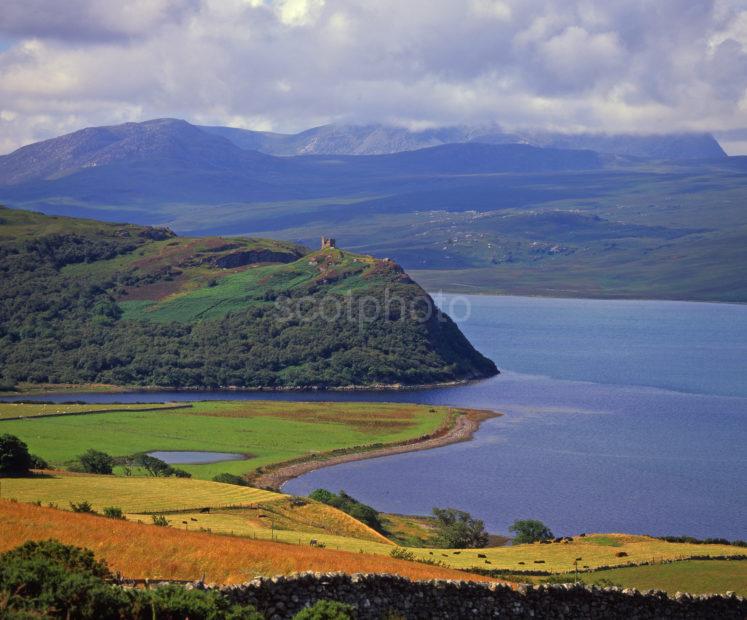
<point>619,416</point>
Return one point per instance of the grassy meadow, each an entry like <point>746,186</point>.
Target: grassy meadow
<point>264,431</point>
<point>693,576</point>
<point>594,550</point>
<point>33,410</point>
<point>131,494</point>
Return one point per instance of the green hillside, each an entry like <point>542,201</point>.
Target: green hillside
<point>90,302</point>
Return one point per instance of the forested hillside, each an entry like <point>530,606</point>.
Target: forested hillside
<point>84,302</point>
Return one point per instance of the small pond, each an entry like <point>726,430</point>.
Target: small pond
<point>177,457</point>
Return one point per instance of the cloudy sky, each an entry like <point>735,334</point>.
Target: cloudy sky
<point>286,65</point>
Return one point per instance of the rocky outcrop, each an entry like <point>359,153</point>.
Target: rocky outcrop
<point>249,257</point>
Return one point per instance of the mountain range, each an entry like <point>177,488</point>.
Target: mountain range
<point>382,139</point>
<point>463,209</point>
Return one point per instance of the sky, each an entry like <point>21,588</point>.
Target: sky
<point>642,66</point>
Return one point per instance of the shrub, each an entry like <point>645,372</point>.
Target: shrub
<point>38,462</point>
<point>176,602</point>
<point>326,610</point>
<point>96,462</point>
<point>529,531</point>
<point>230,479</point>
<point>49,579</point>
<point>113,512</point>
<point>323,495</point>
<point>400,553</point>
<point>160,520</point>
<point>14,455</point>
<point>83,506</point>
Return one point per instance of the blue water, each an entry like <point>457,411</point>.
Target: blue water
<point>192,457</point>
<point>619,416</point>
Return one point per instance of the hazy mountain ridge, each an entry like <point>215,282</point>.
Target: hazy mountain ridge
<point>172,160</point>
<point>469,216</point>
<point>383,139</point>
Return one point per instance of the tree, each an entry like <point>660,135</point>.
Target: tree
<point>457,529</point>
<point>346,503</point>
<point>158,468</point>
<point>322,495</point>
<point>96,462</point>
<point>529,531</point>
<point>14,455</point>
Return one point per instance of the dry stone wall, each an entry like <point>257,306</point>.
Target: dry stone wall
<point>378,597</point>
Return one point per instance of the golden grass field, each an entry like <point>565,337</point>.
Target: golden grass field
<point>132,495</point>
<point>264,515</point>
<point>594,550</point>
<point>141,550</point>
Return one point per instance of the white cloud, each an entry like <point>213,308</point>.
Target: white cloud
<point>298,12</point>
<point>649,65</point>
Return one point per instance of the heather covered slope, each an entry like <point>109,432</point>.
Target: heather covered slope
<point>84,301</point>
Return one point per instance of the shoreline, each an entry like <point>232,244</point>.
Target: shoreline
<point>462,428</point>
<point>61,389</point>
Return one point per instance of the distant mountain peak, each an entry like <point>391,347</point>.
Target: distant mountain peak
<point>150,141</point>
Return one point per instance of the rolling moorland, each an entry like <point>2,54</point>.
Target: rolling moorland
<point>230,533</point>
<point>589,216</point>
<point>118,304</point>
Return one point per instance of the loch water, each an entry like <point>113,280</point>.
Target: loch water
<point>619,416</point>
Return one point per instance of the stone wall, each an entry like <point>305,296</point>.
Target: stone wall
<point>388,596</point>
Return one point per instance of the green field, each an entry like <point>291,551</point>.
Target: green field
<point>694,576</point>
<point>246,289</point>
<point>33,410</point>
<point>265,431</point>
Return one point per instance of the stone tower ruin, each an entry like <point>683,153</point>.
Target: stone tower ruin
<point>328,242</point>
